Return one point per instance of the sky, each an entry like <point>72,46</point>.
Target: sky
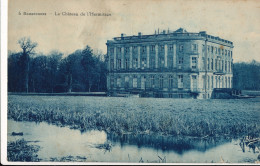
<point>234,20</point>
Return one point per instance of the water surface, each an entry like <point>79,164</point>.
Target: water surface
<point>62,141</point>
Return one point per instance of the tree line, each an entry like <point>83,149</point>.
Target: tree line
<point>246,76</point>
<point>84,71</point>
<point>81,71</point>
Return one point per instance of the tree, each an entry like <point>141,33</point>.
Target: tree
<point>27,47</point>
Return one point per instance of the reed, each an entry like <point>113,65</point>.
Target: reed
<point>185,117</point>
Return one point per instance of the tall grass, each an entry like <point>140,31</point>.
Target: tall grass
<point>189,117</point>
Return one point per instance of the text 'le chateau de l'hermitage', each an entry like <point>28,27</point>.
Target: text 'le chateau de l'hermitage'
<point>169,64</point>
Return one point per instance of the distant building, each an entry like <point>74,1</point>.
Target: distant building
<point>175,64</point>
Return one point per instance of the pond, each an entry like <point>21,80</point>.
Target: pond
<point>57,142</point>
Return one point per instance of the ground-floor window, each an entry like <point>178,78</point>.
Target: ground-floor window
<point>126,82</point>
<point>135,82</point>
<point>152,82</point>
<point>161,82</point>
<point>170,81</point>
<point>180,81</point>
<point>180,95</point>
<point>119,82</point>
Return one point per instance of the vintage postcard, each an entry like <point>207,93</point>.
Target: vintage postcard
<point>131,81</point>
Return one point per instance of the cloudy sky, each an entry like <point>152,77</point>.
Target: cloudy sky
<point>234,20</point>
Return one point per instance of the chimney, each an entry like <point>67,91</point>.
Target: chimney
<point>164,32</point>
<point>139,34</point>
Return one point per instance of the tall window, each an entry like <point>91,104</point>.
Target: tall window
<point>126,82</point>
<point>212,61</point>
<point>208,63</point>
<point>126,63</point>
<point>152,82</point>
<point>212,82</point>
<point>112,64</point>
<point>162,47</point>
<point>152,63</point>
<point>143,63</point>
<point>161,82</point>
<point>152,48</point>
<point>181,48</point>
<point>194,47</point>
<point>135,82</point>
<point>118,63</point>
<point>216,78</point>
<point>218,51</point>
<point>222,65</point>
<point>170,81</point>
<point>118,82</point>
<point>135,63</point>
<point>171,47</point>
<point>143,49</point>
<point>180,60</point>
<point>216,64</point>
<point>194,62</point>
<point>180,81</point>
<point>161,62</point>
<point>212,49</point>
<point>111,82</point>
<point>126,49</point>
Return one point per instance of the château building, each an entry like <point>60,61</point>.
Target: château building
<point>176,64</point>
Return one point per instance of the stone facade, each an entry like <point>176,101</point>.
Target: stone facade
<point>175,64</point>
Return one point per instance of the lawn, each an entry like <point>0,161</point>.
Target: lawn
<point>187,117</point>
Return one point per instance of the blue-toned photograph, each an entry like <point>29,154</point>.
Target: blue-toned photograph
<point>130,82</point>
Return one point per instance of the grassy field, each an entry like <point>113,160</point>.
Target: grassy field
<point>200,118</point>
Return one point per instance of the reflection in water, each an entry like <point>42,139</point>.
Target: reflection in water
<point>58,142</point>
<point>168,143</point>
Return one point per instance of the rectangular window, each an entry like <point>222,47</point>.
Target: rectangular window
<point>208,63</point>
<point>216,64</point>
<point>126,82</point>
<point>161,82</point>
<point>118,63</point>
<point>194,62</point>
<point>111,82</point>
<point>152,48</point>
<point>135,63</point>
<point>162,48</point>
<point>112,64</point>
<point>161,62</point>
<point>194,47</point>
<point>143,63</point>
<point>119,82</point>
<point>180,60</point>
<point>212,82</point>
<point>126,63</point>
<point>171,81</point>
<point>181,48</point>
<point>135,82</point>
<point>212,61</point>
<point>171,47</point>
<point>126,49</point>
<point>143,49</point>
<point>152,82</point>
<point>212,49</point>
<point>112,50</point>
<point>180,81</point>
<point>218,51</point>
